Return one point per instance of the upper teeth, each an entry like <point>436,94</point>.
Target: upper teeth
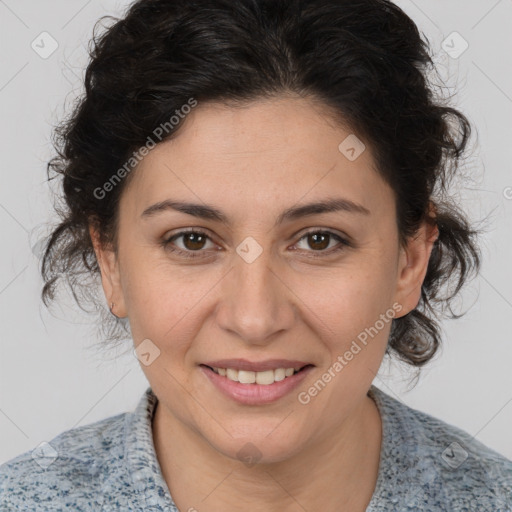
<point>248,377</point>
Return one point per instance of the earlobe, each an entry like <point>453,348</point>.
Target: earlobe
<point>110,278</point>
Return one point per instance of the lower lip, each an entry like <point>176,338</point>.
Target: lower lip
<point>255,394</point>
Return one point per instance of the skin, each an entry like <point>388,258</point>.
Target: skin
<point>253,163</point>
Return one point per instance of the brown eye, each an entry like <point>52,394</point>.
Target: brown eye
<point>192,244</point>
<point>194,241</point>
<point>319,241</point>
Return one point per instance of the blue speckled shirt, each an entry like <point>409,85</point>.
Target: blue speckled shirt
<point>111,465</point>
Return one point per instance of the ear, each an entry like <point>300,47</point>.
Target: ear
<point>413,265</point>
<point>110,274</point>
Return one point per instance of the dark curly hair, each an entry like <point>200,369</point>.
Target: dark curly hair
<point>363,59</point>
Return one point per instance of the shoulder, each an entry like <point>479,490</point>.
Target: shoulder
<point>436,464</point>
<point>67,471</point>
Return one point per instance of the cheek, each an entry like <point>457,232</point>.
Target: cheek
<point>163,301</point>
<point>352,298</point>
<point>353,309</point>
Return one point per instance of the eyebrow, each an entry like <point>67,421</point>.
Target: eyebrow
<point>210,213</point>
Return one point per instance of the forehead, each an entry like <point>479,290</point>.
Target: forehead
<point>267,154</point>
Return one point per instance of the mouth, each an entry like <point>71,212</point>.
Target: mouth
<point>264,378</point>
<point>255,383</point>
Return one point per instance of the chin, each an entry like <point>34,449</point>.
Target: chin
<point>260,447</point>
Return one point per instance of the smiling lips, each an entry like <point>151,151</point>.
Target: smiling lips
<point>255,383</point>
<point>264,372</point>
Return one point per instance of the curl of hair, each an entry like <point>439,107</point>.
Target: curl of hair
<point>363,59</point>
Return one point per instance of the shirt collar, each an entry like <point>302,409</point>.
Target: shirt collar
<point>141,459</point>
<point>402,449</point>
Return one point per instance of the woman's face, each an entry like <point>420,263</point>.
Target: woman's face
<point>256,286</point>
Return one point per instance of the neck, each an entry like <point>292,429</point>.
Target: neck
<point>337,472</point>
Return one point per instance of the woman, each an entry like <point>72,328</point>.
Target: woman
<point>262,187</point>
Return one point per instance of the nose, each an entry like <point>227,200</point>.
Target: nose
<point>256,303</point>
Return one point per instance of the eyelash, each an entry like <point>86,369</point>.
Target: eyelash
<point>192,254</point>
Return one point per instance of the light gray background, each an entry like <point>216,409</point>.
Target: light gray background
<point>50,382</point>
